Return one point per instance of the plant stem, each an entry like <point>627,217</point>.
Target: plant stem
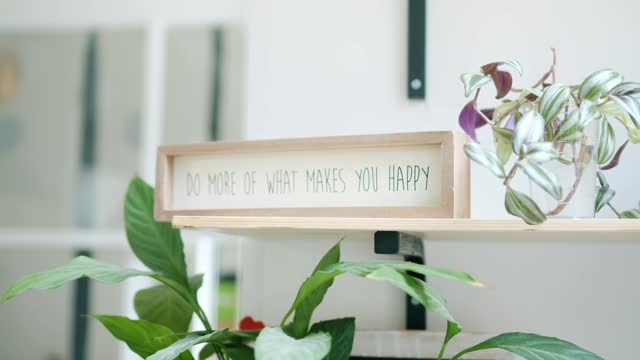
<point>475,107</point>
<point>551,72</point>
<point>579,172</point>
<point>614,210</point>
<point>510,176</point>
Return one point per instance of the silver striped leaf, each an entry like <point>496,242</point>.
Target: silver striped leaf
<point>607,144</point>
<point>605,194</point>
<point>569,129</point>
<point>485,158</point>
<point>530,129</point>
<point>473,81</point>
<point>630,106</point>
<point>626,88</point>
<point>540,152</point>
<point>599,83</point>
<point>522,206</point>
<point>630,214</point>
<point>544,178</point>
<point>554,99</point>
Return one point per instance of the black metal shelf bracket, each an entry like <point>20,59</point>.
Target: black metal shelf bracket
<point>412,249</point>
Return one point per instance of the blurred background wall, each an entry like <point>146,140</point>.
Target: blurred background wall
<point>302,68</point>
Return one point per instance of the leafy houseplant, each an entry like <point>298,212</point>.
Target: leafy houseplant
<point>165,311</point>
<point>558,135</point>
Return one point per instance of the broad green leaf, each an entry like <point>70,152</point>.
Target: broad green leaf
<point>607,143</point>
<point>302,317</point>
<point>547,180</point>
<point>553,101</point>
<point>163,305</point>
<point>634,135</point>
<point>142,337</point>
<point>522,206</point>
<point>504,109</point>
<point>207,351</point>
<point>630,106</point>
<point>533,347</point>
<point>318,278</point>
<point>611,108</point>
<point>158,245</point>
<point>175,349</point>
<point>504,150</point>
<point>599,83</point>
<point>426,294</point>
<point>630,214</point>
<point>78,267</point>
<point>485,158</point>
<point>239,352</point>
<point>588,112</point>
<point>605,194</point>
<point>342,332</point>
<point>602,179</point>
<point>274,344</point>
<point>540,152</point>
<point>530,129</point>
<point>453,329</point>
<point>473,81</point>
<point>503,133</point>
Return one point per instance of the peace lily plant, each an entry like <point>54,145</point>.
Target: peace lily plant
<point>551,125</point>
<point>165,310</point>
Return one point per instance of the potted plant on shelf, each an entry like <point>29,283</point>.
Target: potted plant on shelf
<point>165,310</point>
<point>559,136</point>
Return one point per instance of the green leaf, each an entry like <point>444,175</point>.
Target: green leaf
<point>540,152</point>
<point>485,158</point>
<point>605,194</point>
<point>533,347</point>
<point>78,267</point>
<point>207,351</point>
<point>569,129</point>
<point>599,83</point>
<point>426,294</point>
<point>504,109</point>
<point>179,347</point>
<point>634,135</point>
<point>473,81</point>
<point>342,332</point>
<point>504,150</point>
<point>553,101</point>
<point>318,278</point>
<point>142,337</point>
<point>530,129</point>
<point>453,329</point>
<point>607,143</point>
<point>163,305</point>
<point>302,317</point>
<point>158,245</point>
<point>522,206</point>
<point>239,352</point>
<point>547,180</point>
<point>626,89</point>
<point>630,214</point>
<point>630,106</point>
<point>274,344</point>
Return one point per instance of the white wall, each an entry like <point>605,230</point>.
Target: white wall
<point>338,67</point>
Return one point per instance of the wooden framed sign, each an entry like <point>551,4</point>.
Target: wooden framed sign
<point>405,175</point>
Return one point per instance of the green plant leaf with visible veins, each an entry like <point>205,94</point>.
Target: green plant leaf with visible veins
<point>485,158</point>
<point>342,332</point>
<point>533,347</point>
<point>364,269</point>
<point>142,337</point>
<point>547,180</point>
<point>186,343</point>
<point>163,305</point>
<point>274,344</point>
<point>302,317</point>
<point>78,267</point>
<point>158,245</point>
<point>522,206</point>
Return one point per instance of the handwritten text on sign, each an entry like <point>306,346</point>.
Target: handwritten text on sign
<point>390,176</point>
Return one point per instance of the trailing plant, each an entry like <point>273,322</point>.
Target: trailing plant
<point>546,123</point>
<point>165,311</point>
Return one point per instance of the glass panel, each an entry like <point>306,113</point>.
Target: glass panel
<point>69,132</point>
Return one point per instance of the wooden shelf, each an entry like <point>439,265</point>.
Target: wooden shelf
<point>598,229</point>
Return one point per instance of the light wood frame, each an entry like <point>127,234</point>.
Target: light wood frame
<point>455,191</point>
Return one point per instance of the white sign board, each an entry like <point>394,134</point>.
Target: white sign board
<point>373,175</point>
